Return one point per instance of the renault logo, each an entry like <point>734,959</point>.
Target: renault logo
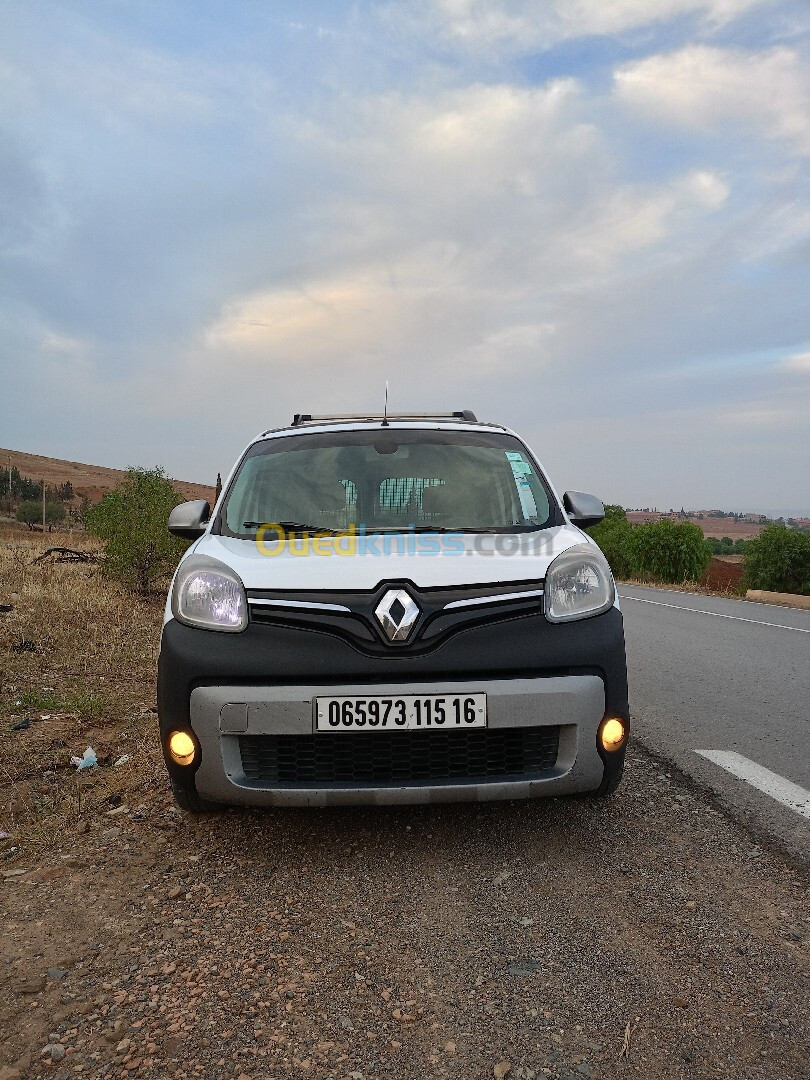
<point>396,614</point>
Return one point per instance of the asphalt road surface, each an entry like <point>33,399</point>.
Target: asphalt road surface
<point>722,688</point>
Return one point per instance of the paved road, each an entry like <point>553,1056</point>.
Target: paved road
<point>712,674</point>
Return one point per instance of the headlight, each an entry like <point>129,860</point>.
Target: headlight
<point>209,595</point>
<point>578,583</point>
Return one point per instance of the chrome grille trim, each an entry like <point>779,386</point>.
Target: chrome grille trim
<point>500,598</point>
<point>301,604</point>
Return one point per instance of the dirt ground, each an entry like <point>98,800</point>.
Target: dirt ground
<point>646,935</point>
<point>724,574</point>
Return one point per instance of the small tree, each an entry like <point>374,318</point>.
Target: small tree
<point>55,513</point>
<point>778,560</point>
<point>669,551</point>
<point>30,512</point>
<point>613,537</point>
<point>131,520</point>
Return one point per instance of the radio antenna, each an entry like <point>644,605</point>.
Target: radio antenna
<point>385,410</point>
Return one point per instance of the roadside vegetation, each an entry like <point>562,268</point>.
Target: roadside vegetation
<point>676,553</point>
<point>778,560</point>
<point>131,522</point>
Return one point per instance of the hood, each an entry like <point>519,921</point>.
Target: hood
<point>362,562</point>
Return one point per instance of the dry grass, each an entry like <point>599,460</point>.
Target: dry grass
<point>77,663</point>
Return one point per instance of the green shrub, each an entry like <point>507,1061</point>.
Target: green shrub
<point>778,560</point>
<point>668,551</point>
<point>726,546</point>
<point>30,512</point>
<point>613,537</point>
<point>139,550</point>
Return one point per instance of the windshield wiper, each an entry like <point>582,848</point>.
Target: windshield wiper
<point>512,528</point>
<point>442,529</point>
<point>293,527</point>
<point>474,529</point>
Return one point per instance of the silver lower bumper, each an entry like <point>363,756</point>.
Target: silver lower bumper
<point>220,714</point>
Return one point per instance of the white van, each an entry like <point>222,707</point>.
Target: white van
<point>392,609</point>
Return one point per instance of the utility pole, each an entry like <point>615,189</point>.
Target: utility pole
<point>43,506</point>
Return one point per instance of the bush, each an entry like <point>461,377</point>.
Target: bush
<point>778,560</point>
<point>30,512</point>
<point>613,537</point>
<point>668,551</point>
<point>139,550</point>
<point>727,546</point>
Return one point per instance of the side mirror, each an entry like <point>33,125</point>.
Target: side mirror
<point>584,510</point>
<point>189,519</point>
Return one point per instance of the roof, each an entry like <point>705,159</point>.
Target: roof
<point>307,418</point>
<point>459,419</point>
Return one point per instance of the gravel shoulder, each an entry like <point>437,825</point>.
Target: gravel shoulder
<point>643,935</point>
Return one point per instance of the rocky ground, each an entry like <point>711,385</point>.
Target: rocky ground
<point>643,935</point>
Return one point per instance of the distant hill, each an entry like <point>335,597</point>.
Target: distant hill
<point>89,481</point>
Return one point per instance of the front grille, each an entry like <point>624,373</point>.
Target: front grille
<point>350,614</point>
<point>399,757</point>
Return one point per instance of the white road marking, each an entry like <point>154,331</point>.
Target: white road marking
<point>717,614</point>
<point>737,599</point>
<point>771,783</point>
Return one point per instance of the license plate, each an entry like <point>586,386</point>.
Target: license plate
<point>406,712</point>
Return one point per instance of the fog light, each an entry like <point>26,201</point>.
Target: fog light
<point>181,747</point>
<point>613,733</point>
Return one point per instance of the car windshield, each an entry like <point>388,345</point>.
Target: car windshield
<point>384,479</point>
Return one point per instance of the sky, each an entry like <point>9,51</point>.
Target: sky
<point>587,221</point>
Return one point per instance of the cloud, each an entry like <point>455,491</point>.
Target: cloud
<point>479,220</point>
<point>711,90</point>
<point>243,219</point>
<point>798,362</point>
<point>522,26</point>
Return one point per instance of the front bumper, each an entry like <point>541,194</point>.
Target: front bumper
<point>568,709</point>
<point>536,676</point>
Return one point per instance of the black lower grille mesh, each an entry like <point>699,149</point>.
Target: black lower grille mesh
<point>399,757</point>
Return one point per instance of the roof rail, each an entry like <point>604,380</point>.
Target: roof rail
<point>308,418</point>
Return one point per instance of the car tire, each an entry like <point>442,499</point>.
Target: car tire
<point>188,799</point>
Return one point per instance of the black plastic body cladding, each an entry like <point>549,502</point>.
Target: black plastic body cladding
<point>267,655</point>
